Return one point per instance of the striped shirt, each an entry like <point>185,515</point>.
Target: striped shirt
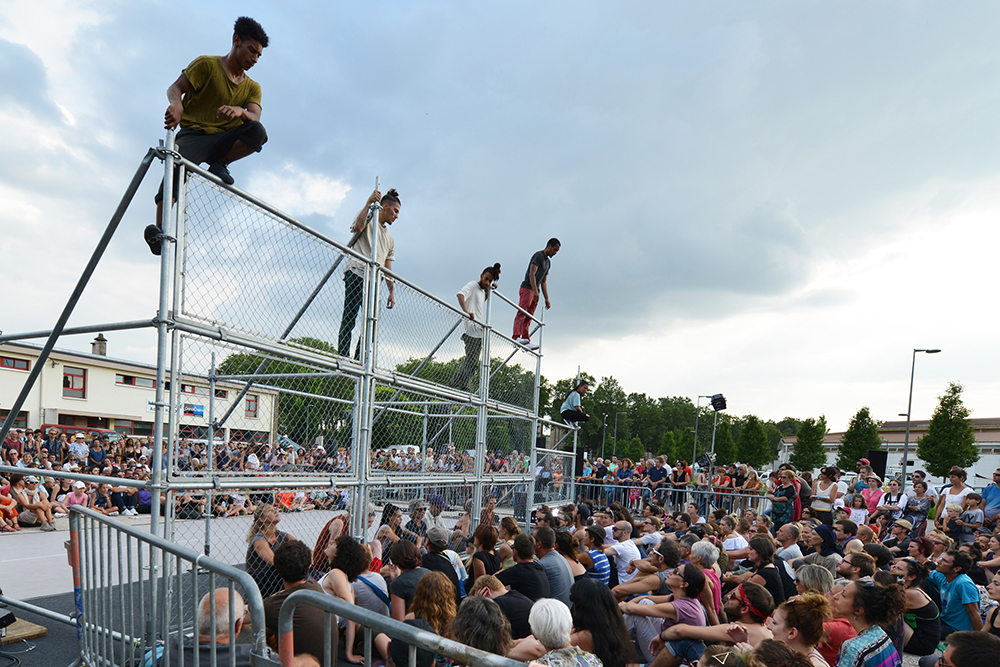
<point>872,648</point>
<point>602,569</point>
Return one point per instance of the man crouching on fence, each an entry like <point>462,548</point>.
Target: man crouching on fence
<point>222,639</point>
<point>218,108</point>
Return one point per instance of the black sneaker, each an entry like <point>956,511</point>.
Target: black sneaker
<point>151,235</point>
<point>221,170</point>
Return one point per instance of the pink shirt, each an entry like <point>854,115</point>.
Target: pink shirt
<point>872,497</point>
<point>71,500</point>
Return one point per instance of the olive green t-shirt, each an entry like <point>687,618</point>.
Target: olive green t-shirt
<point>211,89</point>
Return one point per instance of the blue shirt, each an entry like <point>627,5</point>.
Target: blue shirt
<point>991,494</point>
<point>602,569</point>
<point>954,597</point>
<point>572,402</point>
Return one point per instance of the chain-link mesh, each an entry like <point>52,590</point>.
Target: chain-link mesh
<point>267,363</point>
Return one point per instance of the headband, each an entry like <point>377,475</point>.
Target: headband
<point>746,601</point>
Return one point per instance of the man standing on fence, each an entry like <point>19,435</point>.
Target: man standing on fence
<point>534,287</point>
<point>218,108</point>
<point>472,301</point>
<point>354,273</point>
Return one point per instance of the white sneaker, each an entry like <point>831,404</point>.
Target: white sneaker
<point>134,512</point>
<point>522,341</point>
<point>61,515</point>
<point>115,513</point>
<point>531,346</point>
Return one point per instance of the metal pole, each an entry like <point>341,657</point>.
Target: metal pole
<point>909,407</point>
<point>604,434</point>
<point>614,447</point>
<point>81,284</point>
<point>481,416</point>
<point>211,456</point>
<point>715,423</point>
<point>697,412</point>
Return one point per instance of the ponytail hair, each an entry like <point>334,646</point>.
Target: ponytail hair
<point>493,271</point>
<point>391,197</point>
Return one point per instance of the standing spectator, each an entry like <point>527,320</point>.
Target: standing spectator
<point>826,491</point>
<point>354,270</point>
<point>917,506</point>
<point>534,286</point>
<point>292,560</point>
<point>952,494</point>
<point>971,518</point>
<point>783,499</point>
<point>990,503</point>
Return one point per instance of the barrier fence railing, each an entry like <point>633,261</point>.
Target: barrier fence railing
<point>123,619</point>
<point>374,623</point>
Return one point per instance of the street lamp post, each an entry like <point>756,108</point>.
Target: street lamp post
<point>604,436</point>
<point>614,449</point>
<point>718,403</point>
<point>697,412</point>
<point>909,407</point>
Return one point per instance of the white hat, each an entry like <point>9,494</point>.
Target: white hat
<point>79,485</point>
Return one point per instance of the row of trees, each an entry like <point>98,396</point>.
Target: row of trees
<point>631,424</point>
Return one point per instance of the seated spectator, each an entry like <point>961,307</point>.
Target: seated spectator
<point>371,593</point>
<point>224,642</point>
<point>435,560</point>
<point>922,616</point>
<point>406,559</point>
<point>599,627</point>
<point>856,565</point>
<point>8,511</point>
<point>347,561</point>
<point>971,649</point>
<point>433,609</point>
<point>292,560</point>
<point>123,498</point>
<point>144,498</point>
<point>485,559</point>
<point>515,605</point>
<point>651,573</point>
<point>551,624</point>
<point>527,576</point>
<point>881,555</point>
<point>333,529</point>
<point>799,623</point>
<point>773,653</point>
<point>262,539</point>
<point>868,608</point>
<point>593,559</point>
<point>481,624</point>
<point>78,496</point>
<point>36,510</point>
<point>569,548</point>
<point>557,570</point>
<point>681,606</point>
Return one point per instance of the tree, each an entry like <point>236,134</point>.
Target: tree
<point>725,446</point>
<point>950,439</point>
<point>752,446</point>
<point>668,446</point>
<point>631,449</point>
<point>860,436</point>
<point>808,452</point>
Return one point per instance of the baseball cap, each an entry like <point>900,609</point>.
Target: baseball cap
<point>31,479</point>
<point>79,485</point>
<point>865,462</point>
<point>437,537</point>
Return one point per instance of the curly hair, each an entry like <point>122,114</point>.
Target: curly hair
<point>480,623</point>
<point>807,613</point>
<point>351,557</point>
<point>246,28</point>
<point>434,601</point>
<point>594,609</point>
<point>879,604</point>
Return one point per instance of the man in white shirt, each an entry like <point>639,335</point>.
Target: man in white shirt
<point>624,552</point>
<point>472,301</point>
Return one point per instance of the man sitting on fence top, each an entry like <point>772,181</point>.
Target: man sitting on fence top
<point>222,622</point>
<point>218,108</point>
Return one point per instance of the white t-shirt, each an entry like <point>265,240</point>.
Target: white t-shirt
<point>957,498</point>
<point>475,300</point>
<point>627,551</point>
<point>651,539</point>
<point>735,542</point>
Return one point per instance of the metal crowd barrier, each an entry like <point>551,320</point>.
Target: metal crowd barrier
<point>137,597</point>
<point>634,496</point>
<point>376,623</point>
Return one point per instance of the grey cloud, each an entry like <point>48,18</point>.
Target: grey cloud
<point>25,82</point>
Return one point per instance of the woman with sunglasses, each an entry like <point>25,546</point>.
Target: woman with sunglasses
<point>921,616</point>
<point>799,623</point>
<point>867,608</point>
<point>941,544</point>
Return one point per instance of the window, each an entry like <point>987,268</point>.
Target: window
<point>16,364</point>
<point>192,389</point>
<point>251,406</point>
<point>74,382</point>
<point>257,437</point>
<point>221,393</point>
<point>20,422</point>
<point>123,426</point>
<point>133,381</point>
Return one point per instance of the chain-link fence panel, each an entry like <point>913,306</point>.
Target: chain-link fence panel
<point>247,269</point>
<point>286,419</point>
<point>512,372</point>
<point>554,478</point>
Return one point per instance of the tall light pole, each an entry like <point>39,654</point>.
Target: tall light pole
<point>697,412</point>
<point>604,436</point>
<point>614,450</point>
<point>718,403</point>
<point>909,408</point>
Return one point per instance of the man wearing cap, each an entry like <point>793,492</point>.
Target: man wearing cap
<point>898,542</point>
<point>436,561</point>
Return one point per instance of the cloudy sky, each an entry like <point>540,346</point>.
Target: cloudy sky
<point>776,201</point>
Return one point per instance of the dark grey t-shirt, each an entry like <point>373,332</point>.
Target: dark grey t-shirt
<point>543,263</point>
<point>405,585</point>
